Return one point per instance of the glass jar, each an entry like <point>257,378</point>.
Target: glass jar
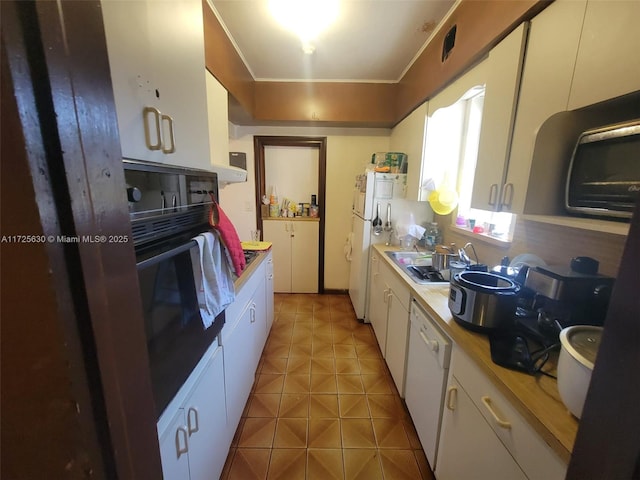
<point>433,236</point>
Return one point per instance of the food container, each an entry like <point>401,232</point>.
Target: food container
<point>580,345</point>
<point>440,260</point>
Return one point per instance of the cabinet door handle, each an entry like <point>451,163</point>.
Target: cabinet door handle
<point>253,313</point>
<point>385,295</point>
<point>452,394</point>
<point>493,194</point>
<point>507,193</point>
<point>147,132</point>
<point>501,423</point>
<point>172,148</point>
<point>192,413</point>
<point>181,433</point>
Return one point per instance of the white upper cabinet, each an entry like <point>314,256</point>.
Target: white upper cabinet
<point>546,83</point>
<point>156,56</point>
<point>608,62</point>
<point>218,111</point>
<point>501,97</point>
<point>408,137</point>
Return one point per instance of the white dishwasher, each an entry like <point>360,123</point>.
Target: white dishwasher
<point>427,368</point>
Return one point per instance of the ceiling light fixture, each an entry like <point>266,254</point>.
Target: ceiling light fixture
<point>306,18</point>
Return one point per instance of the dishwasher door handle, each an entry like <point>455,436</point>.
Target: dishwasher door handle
<point>432,344</point>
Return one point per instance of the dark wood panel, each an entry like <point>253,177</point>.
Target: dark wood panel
<point>481,24</point>
<point>361,103</point>
<point>45,397</point>
<point>607,443</point>
<point>222,60</point>
<point>83,300</point>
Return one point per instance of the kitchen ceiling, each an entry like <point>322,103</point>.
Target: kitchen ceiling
<point>371,41</point>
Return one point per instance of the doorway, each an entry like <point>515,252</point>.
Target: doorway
<point>319,143</point>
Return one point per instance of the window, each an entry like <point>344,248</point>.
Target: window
<point>451,146</point>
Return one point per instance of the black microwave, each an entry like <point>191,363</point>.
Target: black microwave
<point>604,173</point>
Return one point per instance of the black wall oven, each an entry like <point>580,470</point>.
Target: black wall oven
<point>168,206</point>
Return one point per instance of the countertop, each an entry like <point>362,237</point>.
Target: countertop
<point>239,282</point>
<point>535,397</point>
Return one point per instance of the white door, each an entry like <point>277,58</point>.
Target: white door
<point>206,415</point>
<point>425,382</point>
<point>468,446</point>
<point>174,449</point>
<point>277,232</point>
<point>127,36</point>
<point>304,256</point>
<point>358,271</point>
<point>177,38</point>
<point>269,291</point>
<point>397,332</point>
<point>377,312</point>
<point>238,369</point>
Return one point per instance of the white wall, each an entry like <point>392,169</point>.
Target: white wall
<point>293,171</point>
<point>348,151</point>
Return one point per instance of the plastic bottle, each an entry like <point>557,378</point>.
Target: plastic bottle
<point>433,236</point>
<point>313,208</point>
<point>274,209</point>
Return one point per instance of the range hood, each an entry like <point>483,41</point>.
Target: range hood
<point>228,174</point>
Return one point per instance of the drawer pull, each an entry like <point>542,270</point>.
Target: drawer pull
<point>452,394</point>
<point>501,423</point>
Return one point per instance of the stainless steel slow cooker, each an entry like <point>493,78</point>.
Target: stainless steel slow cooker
<point>482,300</point>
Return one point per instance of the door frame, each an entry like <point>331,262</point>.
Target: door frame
<point>259,144</point>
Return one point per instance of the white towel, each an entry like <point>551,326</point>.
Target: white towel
<point>213,277</point>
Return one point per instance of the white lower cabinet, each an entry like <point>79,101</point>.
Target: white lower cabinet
<point>484,437</point>
<point>468,446</point>
<point>195,433</point>
<point>388,312</point>
<point>243,338</point>
<point>377,308</point>
<point>296,246</point>
<point>398,300</point>
<point>269,289</point>
<point>194,445</point>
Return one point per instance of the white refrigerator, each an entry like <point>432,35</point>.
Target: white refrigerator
<point>370,189</point>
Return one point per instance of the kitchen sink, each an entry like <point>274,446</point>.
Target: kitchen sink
<point>417,265</point>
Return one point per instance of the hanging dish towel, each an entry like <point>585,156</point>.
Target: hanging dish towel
<point>348,247</point>
<point>221,223</point>
<point>213,277</point>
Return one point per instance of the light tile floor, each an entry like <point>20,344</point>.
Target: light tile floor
<point>324,405</point>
